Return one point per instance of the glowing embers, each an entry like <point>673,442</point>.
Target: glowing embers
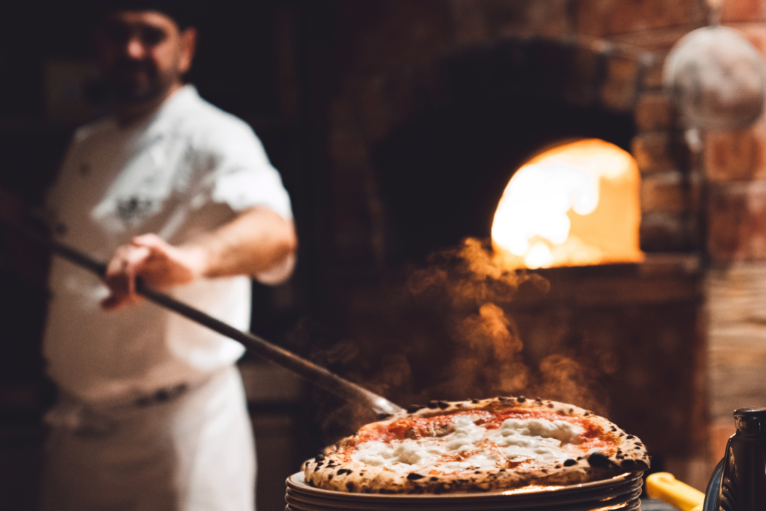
<point>576,204</point>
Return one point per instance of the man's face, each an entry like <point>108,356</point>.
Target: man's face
<point>142,54</point>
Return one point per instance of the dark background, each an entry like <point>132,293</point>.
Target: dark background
<point>375,190</point>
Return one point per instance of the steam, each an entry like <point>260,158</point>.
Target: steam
<point>489,357</point>
<point>454,337</point>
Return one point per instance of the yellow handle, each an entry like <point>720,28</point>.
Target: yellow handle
<point>669,490</point>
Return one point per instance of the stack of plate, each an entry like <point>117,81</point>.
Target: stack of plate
<point>618,493</point>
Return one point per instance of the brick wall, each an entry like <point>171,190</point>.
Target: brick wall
<point>400,59</point>
<point>608,54</point>
<point>734,165</point>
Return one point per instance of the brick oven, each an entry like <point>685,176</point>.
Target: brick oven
<point>434,104</point>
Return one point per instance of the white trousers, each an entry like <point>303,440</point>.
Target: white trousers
<point>192,453</point>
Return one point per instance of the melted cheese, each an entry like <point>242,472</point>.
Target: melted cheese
<point>469,446</point>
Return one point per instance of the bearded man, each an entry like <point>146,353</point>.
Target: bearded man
<point>151,412</point>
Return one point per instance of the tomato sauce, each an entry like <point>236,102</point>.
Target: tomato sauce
<point>592,438</point>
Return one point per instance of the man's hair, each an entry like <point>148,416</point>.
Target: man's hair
<point>180,11</point>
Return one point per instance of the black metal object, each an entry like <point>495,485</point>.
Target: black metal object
<point>739,480</point>
<point>307,370</point>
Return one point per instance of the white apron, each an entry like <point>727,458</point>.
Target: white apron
<point>159,456</point>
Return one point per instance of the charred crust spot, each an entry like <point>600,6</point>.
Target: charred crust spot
<point>329,477</point>
<point>521,399</point>
<point>414,476</point>
<point>558,466</point>
<point>411,433</point>
<point>544,471</point>
<point>569,463</point>
<point>571,410</point>
<point>383,416</point>
<point>442,404</point>
<point>628,464</point>
<point>432,404</point>
<point>434,478</point>
<point>342,471</point>
<point>550,405</point>
<point>629,437</point>
<point>599,460</point>
<point>350,486</point>
<point>414,408</point>
<point>474,401</point>
<point>505,399</point>
<point>538,400</point>
<point>638,447</point>
<point>579,458</point>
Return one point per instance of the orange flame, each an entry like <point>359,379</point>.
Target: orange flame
<point>576,204</point>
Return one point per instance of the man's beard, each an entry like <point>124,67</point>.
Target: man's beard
<point>136,81</point>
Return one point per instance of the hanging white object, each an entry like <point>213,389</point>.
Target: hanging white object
<point>715,78</point>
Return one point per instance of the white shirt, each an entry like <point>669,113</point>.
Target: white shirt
<point>185,170</point>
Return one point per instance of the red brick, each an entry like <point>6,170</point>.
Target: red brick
<point>347,146</point>
<point>737,221</point>
<point>372,107</point>
<point>542,18</point>
<point>657,41</point>
<point>621,84</point>
<point>584,73</point>
<point>662,232</point>
<point>469,21</point>
<point>736,155</point>
<point>754,33</point>
<point>665,192</point>
<point>402,94</point>
<point>743,10</point>
<point>654,153</point>
<point>653,112</point>
<point>372,36</point>
<point>652,75</point>
<point>609,17</point>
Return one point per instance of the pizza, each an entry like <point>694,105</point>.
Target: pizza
<point>479,445</point>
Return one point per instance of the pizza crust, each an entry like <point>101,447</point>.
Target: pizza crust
<point>335,471</point>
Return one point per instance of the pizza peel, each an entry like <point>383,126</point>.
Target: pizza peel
<point>313,373</point>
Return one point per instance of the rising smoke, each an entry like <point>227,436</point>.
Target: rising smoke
<point>489,357</point>
<point>450,334</point>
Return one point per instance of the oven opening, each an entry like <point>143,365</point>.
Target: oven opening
<point>574,204</point>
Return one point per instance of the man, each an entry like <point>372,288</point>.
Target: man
<point>151,412</point>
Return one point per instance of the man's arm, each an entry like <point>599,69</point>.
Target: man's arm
<point>257,242</point>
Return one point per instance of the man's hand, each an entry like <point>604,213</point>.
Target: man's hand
<point>258,243</point>
<point>156,262</point>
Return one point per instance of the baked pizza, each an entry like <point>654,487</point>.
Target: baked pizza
<point>478,445</point>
